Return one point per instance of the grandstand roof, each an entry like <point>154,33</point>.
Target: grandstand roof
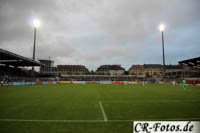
<point>194,62</point>
<point>41,60</point>
<point>9,58</point>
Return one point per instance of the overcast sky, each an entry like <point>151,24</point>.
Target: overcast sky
<point>97,32</point>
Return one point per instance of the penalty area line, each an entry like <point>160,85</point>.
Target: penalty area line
<point>103,112</point>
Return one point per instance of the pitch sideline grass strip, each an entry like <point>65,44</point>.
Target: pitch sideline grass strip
<point>103,112</point>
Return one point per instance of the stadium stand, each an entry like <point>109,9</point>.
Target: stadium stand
<point>100,78</point>
<point>12,59</point>
<point>194,62</point>
<point>13,72</point>
<point>10,64</point>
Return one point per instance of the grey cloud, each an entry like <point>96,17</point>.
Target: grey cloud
<point>92,32</point>
<point>115,54</point>
<point>59,47</point>
<point>136,20</point>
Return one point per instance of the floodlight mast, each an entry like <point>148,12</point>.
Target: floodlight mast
<point>36,24</point>
<point>162,28</point>
<point>34,43</point>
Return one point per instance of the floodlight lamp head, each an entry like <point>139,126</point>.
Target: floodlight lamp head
<point>161,27</point>
<point>36,23</point>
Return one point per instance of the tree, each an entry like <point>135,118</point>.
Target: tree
<point>69,73</point>
<point>92,72</point>
<point>125,72</point>
<point>147,74</point>
<point>59,74</point>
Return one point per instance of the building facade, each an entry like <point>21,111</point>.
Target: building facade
<point>60,70</point>
<point>137,70</point>
<point>153,70</point>
<point>110,70</point>
<point>48,68</point>
<point>71,70</point>
<point>146,70</point>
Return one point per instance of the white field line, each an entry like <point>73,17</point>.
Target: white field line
<point>94,121</point>
<point>67,121</point>
<point>103,112</point>
<point>149,101</point>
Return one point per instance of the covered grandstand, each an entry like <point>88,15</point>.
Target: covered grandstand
<point>11,59</point>
<point>194,62</point>
<point>12,66</point>
<point>190,70</point>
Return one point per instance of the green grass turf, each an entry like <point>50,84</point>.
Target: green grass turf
<point>81,102</point>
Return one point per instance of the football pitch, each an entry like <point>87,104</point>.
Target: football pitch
<point>93,108</point>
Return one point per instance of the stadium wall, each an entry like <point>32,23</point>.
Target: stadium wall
<point>189,82</point>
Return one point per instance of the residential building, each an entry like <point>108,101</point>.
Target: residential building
<point>153,69</point>
<point>137,70</point>
<point>110,70</point>
<point>71,70</point>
